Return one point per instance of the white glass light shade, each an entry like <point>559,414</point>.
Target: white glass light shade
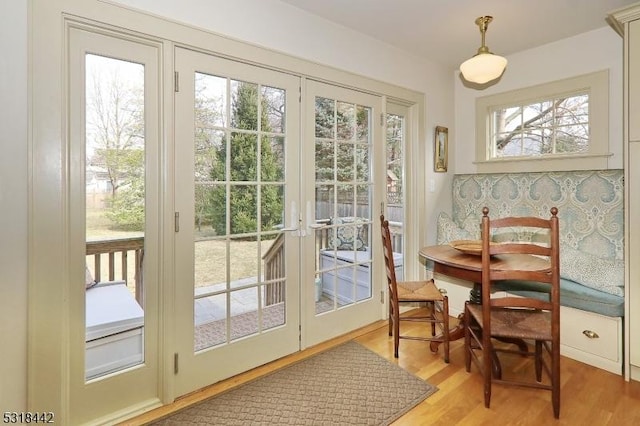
<point>483,68</point>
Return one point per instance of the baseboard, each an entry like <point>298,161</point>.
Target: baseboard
<point>127,413</point>
<point>634,373</point>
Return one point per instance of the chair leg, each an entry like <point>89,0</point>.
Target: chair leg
<point>538,360</point>
<point>487,372</point>
<point>390,318</point>
<point>487,366</point>
<point>467,338</point>
<point>555,379</point>
<point>487,390</point>
<point>396,333</point>
<point>432,308</point>
<point>445,324</point>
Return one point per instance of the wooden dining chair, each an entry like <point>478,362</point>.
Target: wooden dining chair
<point>518,319</point>
<point>403,292</point>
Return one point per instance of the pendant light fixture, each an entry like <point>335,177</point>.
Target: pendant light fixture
<point>484,66</point>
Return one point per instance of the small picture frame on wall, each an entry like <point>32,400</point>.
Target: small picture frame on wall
<point>441,149</point>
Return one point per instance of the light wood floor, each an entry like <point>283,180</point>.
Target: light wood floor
<point>589,396</point>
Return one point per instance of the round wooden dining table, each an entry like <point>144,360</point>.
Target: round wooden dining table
<point>446,260</point>
<point>452,262</point>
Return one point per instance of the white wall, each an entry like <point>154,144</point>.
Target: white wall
<point>585,53</point>
<point>281,27</point>
<point>13,205</point>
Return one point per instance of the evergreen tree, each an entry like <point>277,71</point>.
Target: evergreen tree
<point>243,198</point>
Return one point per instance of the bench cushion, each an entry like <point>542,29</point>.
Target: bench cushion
<point>572,294</point>
<point>606,275</point>
<point>111,309</point>
<point>448,230</point>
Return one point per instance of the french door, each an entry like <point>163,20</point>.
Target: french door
<point>263,265</point>
<point>237,246</point>
<point>343,196</point>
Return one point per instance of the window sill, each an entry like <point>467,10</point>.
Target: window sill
<point>545,164</point>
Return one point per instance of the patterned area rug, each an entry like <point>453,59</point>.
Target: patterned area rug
<point>346,385</point>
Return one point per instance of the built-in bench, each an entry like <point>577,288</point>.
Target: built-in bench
<point>590,208</point>
<point>114,329</point>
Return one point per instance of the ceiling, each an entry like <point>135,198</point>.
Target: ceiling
<point>444,30</point>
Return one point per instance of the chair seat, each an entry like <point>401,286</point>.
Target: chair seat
<point>517,323</point>
<point>415,291</point>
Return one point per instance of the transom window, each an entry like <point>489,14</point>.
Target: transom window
<point>561,125</point>
<point>546,127</point>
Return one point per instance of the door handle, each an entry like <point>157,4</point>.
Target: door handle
<point>311,222</point>
<point>293,221</point>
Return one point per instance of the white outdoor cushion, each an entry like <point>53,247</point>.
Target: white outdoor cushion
<point>111,309</point>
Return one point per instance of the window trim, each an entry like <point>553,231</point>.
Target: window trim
<point>595,84</point>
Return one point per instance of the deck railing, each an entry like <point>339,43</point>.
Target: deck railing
<point>119,249</point>
<point>119,252</point>
<point>273,259</point>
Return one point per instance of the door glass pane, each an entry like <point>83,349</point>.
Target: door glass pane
<point>273,119</point>
<point>343,148</point>
<point>272,158</point>
<point>396,129</point>
<point>115,214</point>
<point>210,318</point>
<point>239,209</point>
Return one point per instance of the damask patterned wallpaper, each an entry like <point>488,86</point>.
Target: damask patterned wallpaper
<point>590,204</point>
